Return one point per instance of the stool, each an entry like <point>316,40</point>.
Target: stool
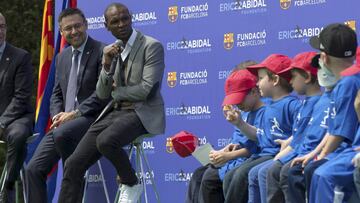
<point>29,140</point>
<point>86,177</point>
<point>136,147</point>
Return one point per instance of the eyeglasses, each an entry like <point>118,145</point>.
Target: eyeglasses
<point>76,26</point>
<point>2,26</point>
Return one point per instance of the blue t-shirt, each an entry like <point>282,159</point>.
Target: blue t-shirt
<point>343,120</point>
<point>301,123</point>
<point>315,130</point>
<point>277,123</point>
<point>302,119</point>
<point>252,118</point>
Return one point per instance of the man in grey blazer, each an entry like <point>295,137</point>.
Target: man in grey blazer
<point>74,104</point>
<point>16,111</point>
<point>131,76</point>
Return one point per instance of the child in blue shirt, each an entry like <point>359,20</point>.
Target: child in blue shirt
<point>276,123</point>
<point>304,82</point>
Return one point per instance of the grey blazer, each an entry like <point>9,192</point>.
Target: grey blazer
<point>144,74</point>
<point>90,66</point>
<point>16,84</point>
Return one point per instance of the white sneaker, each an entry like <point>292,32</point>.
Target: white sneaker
<point>130,194</point>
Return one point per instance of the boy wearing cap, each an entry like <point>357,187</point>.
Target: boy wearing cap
<point>304,82</point>
<point>206,182</point>
<point>337,44</point>
<point>276,123</point>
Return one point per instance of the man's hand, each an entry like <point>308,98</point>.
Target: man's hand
<point>62,118</point>
<point>356,160</point>
<point>109,52</point>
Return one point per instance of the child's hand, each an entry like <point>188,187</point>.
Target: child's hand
<point>219,158</point>
<point>232,115</point>
<point>283,144</point>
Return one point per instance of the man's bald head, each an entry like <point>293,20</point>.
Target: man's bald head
<point>119,6</point>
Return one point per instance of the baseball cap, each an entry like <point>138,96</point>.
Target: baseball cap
<point>184,143</point>
<point>336,40</point>
<point>354,69</point>
<point>237,86</point>
<point>275,63</point>
<point>303,61</point>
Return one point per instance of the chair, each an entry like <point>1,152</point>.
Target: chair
<point>137,148</point>
<point>29,140</point>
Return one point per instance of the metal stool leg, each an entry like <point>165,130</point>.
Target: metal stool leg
<point>151,177</point>
<point>85,186</point>
<point>3,177</point>
<point>22,178</point>
<point>103,181</point>
<point>142,174</point>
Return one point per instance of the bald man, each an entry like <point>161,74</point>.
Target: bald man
<point>16,111</point>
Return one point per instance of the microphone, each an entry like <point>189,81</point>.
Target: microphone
<point>120,44</point>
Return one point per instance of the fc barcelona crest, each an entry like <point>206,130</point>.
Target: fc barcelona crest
<point>173,13</point>
<point>285,4</point>
<point>229,40</point>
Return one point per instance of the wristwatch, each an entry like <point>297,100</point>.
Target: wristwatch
<point>77,113</point>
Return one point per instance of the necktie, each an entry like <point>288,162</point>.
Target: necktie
<point>72,83</point>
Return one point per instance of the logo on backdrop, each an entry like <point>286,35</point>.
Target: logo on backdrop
<point>192,46</point>
<point>351,24</point>
<point>188,12</point>
<point>96,22</point>
<point>228,40</point>
<point>144,18</point>
<point>188,78</point>
<point>248,39</point>
<point>147,175</point>
<point>285,4</point>
<point>303,34</point>
<point>223,74</point>
<point>169,145</point>
<point>173,13</point>
<point>189,112</point>
<point>178,177</point>
<point>244,6</point>
<point>171,79</point>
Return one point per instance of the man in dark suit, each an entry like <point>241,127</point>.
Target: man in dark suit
<point>16,112</point>
<point>74,104</point>
<point>138,108</point>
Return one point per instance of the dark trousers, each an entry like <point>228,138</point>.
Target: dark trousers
<point>235,183</point>
<point>277,183</point>
<point>15,136</point>
<point>106,137</point>
<point>192,195</point>
<point>59,143</point>
<point>211,187</point>
<point>299,180</point>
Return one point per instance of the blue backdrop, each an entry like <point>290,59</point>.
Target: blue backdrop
<point>203,41</point>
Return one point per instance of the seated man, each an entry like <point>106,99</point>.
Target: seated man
<point>16,111</point>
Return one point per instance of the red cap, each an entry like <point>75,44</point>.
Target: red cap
<point>354,69</point>
<point>237,86</point>
<point>274,63</point>
<point>184,143</point>
<point>303,61</point>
